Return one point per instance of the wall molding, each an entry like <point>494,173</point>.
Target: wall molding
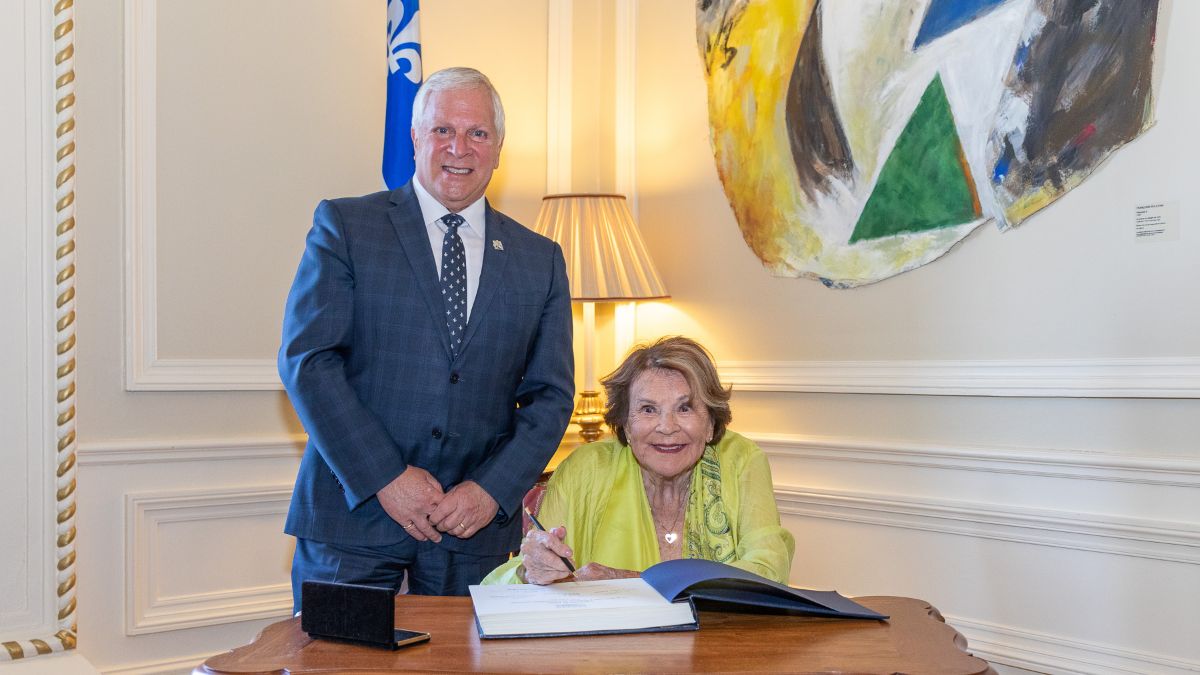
<point>37,391</point>
<point>144,369</point>
<point>282,446</point>
<point>624,101</point>
<point>1087,378</point>
<point>1170,541</point>
<point>171,666</point>
<point>1046,653</point>
<point>148,609</point>
<point>154,374</point>
<point>1070,464</point>
<point>1154,539</point>
<point>147,451</point>
<point>559,81</point>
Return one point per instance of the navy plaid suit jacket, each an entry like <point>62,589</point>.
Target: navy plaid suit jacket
<point>366,362</point>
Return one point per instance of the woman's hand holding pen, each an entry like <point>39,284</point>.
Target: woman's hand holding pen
<point>543,554</point>
<point>544,559</point>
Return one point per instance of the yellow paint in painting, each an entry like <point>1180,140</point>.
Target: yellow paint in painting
<point>857,265</point>
<point>747,103</point>
<point>1033,201</point>
<point>791,233</point>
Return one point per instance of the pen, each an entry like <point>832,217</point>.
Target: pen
<point>538,525</point>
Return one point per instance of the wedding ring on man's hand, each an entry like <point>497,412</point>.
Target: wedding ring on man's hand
<point>408,525</point>
<point>462,526</point>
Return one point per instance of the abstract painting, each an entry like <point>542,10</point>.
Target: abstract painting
<point>858,139</point>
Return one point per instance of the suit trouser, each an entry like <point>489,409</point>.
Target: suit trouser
<point>431,569</point>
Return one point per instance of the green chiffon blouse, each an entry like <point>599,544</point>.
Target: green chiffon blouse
<point>731,515</point>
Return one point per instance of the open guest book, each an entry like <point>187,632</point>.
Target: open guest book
<point>663,599</point>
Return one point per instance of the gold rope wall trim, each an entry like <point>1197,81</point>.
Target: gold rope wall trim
<point>66,538</point>
<point>64,314</point>
<point>64,279</point>
<point>67,612</point>
<point>67,637</point>
<point>65,516</point>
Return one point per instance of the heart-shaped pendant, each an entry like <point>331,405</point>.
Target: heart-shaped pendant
<point>670,537</point>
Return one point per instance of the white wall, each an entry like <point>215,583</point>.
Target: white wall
<point>37,367</point>
<point>1010,432</point>
<point>972,433</point>
<point>27,597</point>
<point>208,133</point>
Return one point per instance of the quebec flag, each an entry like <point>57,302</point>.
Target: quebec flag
<point>404,78</point>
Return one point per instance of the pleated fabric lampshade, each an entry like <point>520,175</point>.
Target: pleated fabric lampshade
<point>607,260</point>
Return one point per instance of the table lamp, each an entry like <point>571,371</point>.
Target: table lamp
<point>607,261</point>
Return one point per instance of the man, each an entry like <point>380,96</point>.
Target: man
<point>429,416</point>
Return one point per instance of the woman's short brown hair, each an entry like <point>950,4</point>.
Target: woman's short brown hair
<point>686,357</point>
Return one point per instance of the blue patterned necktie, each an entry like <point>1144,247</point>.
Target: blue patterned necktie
<point>454,280</point>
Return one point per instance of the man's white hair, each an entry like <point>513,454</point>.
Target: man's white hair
<point>457,78</point>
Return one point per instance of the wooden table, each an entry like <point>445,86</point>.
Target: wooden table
<point>914,640</point>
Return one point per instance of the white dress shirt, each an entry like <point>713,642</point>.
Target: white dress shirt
<point>472,233</point>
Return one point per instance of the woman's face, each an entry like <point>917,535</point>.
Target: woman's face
<point>665,430</point>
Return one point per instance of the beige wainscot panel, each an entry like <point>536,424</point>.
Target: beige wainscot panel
<point>185,550</point>
<point>255,112</point>
<point>186,557</point>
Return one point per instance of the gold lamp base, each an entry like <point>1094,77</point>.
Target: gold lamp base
<point>589,415</point>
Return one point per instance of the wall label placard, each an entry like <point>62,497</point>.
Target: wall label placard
<point>1156,221</point>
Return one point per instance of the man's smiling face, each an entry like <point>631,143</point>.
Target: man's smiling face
<point>457,146</point>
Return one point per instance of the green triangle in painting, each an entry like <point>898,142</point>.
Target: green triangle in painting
<point>925,183</point>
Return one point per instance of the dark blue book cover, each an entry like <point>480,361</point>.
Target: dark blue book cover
<point>714,585</point>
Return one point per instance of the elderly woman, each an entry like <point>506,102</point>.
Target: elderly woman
<point>673,484</point>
